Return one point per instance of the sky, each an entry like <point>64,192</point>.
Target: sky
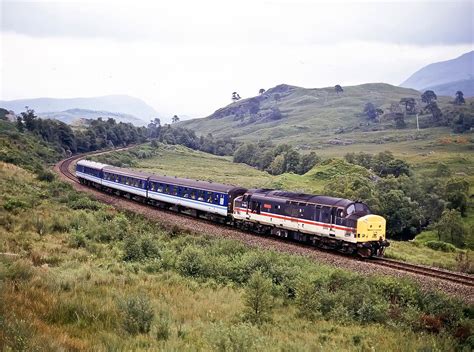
<point>187,57</point>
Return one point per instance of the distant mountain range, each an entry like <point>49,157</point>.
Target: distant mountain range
<point>446,77</point>
<point>78,116</point>
<point>121,107</point>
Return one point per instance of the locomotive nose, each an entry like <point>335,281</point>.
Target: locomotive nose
<point>371,228</point>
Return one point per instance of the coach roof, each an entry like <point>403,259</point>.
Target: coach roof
<point>184,182</point>
<point>178,181</point>
<point>91,164</point>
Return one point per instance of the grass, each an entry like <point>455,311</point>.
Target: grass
<point>64,294</point>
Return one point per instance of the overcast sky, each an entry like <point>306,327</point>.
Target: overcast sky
<point>187,57</point>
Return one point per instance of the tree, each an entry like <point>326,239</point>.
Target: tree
<point>235,96</point>
<point>258,299</point>
<point>403,215</point>
<point>261,91</point>
<point>428,97</point>
<point>307,162</point>
<point>292,161</point>
<point>400,120</point>
<point>19,124</point>
<point>459,100</point>
<point>372,112</point>
<point>456,193</point>
<point>435,111</point>
<point>409,104</point>
<point>246,154</point>
<point>29,118</point>
<point>338,89</point>
<point>277,166</point>
<point>450,228</point>
<point>175,119</point>
<point>275,114</point>
<point>154,128</point>
<point>277,96</point>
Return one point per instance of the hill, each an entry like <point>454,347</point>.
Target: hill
<point>112,103</point>
<point>78,116</point>
<point>445,77</point>
<point>306,117</point>
<point>465,86</point>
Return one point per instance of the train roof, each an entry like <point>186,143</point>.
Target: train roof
<point>184,182</point>
<point>209,186</point>
<point>127,172</point>
<point>302,197</point>
<point>91,164</point>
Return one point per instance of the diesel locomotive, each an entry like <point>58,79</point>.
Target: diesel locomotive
<point>326,222</point>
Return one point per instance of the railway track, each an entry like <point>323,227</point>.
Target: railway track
<point>440,274</point>
<point>463,279</point>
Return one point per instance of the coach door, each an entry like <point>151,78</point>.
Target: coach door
<point>332,227</point>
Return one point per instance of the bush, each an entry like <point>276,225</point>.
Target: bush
<point>13,204</point>
<point>137,315</point>
<point>440,246</point>
<point>240,337</point>
<point>258,299</point>
<point>192,262</point>
<point>84,203</point>
<point>78,240</point>
<point>163,331</point>
<point>19,270</point>
<point>140,248</point>
<point>45,175</point>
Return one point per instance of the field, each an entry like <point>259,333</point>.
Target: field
<point>183,162</point>
<point>77,275</point>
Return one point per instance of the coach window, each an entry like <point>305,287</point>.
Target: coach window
<point>208,197</point>
<point>326,214</point>
<point>193,194</point>
<point>167,189</point>
<point>201,195</point>
<point>175,189</point>
<point>159,187</point>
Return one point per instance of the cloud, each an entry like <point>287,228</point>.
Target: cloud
<point>197,79</point>
<point>218,22</point>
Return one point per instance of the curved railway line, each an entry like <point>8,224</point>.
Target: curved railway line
<point>466,280</point>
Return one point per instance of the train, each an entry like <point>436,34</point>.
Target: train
<point>326,222</point>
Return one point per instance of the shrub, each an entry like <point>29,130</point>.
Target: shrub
<point>440,246</point>
<point>84,203</point>
<point>140,248</point>
<point>240,337</point>
<point>307,300</point>
<point>40,225</point>
<point>163,331</point>
<point>192,262</point>
<point>19,270</point>
<point>78,240</point>
<point>46,175</point>
<point>258,299</point>
<point>137,315</point>
<point>13,204</point>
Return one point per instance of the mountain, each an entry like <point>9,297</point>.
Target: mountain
<point>446,77</point>
<point>77,116</point>
<point>123,104</point>
<point>307,117</point>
